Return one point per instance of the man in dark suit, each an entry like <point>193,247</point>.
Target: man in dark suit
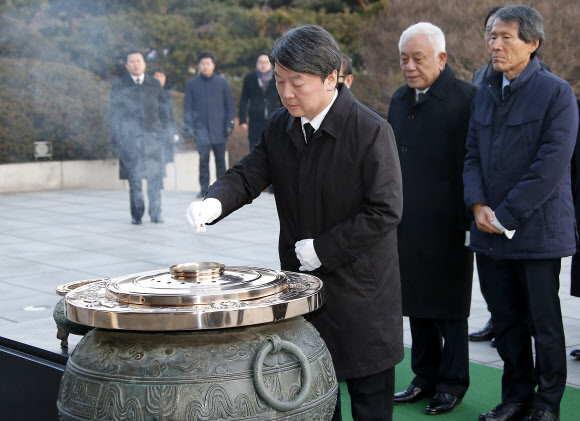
<point>337,182</point>
<point>429,116</point>
<point>138,120</point>
<point>208,117</point>
<point>259,91</point>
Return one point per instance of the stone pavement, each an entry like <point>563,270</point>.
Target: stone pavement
<point>53,237</point>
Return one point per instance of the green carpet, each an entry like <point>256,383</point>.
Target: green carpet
<point>483,394</point>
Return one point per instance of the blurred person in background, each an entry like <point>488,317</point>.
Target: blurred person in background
<point>171,131</point>
<point>521,138</point>
<point>139,121</point>
<point>430,116</point>
<point>345,75</point>
<point>259,99</point>
<point>208,117</point>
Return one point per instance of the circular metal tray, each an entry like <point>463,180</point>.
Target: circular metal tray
<point>160,301</point>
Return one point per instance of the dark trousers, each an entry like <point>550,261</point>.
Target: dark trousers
<point>219,152</point>
<point>137,201</point>
<point>371,397</point>
<point>440,355</point>
<point>522,296</point>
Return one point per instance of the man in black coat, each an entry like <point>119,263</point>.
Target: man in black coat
<point>259,90</point>
<point>171,132</point>
<point>430,116</point>
<point>575,273</point>
<point>337,182</point>
<point>138,119</point>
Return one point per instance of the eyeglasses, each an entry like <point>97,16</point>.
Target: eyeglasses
<point>342,76</point>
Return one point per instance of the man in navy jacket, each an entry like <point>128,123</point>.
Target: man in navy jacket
<point>517,184</point>
<point>208,117</point>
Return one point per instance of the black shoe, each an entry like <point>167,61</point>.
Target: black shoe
<point>485,334</point>
<point>575,353</point>
<point>442,403</point>
<point>537,414</point>
<point>136,221</point>
<point>505,412</point>
<point>411,395</point>
<point>157,220</point>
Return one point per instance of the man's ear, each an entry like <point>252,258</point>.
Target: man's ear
<point>331,80</point>
<point>442,59</point>
<point>348,81</point>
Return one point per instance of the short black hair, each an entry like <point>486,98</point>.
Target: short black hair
<point>530,24</point>
<point>205,54</point>
<point>491,12</point>
<point>307,49</point>
<point>133,51</point>
<point>346,64</point>
<point>262,53</point>
<point>156,70</point>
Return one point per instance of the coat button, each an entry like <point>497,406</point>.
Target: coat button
<point>404,149</point>
<point>491,249</point>
<point>411,116</point>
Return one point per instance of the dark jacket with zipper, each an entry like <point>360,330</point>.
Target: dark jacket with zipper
<point>518,163</point>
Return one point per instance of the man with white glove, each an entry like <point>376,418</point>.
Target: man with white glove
<point>307,255</point>
<point>337,181</point>
<point>201,213</point>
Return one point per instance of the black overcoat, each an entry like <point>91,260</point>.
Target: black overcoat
<point>343,189</point>
<point>575,273</point>
<point>138,118</point>
<point>436,267</point>
<point>257,105</point>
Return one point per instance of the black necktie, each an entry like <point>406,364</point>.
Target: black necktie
<point>506,91</point>
<point>138,82</point>
<point>309,130</point>
<point>421,96</point>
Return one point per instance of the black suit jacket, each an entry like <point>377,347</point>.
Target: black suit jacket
<point>257,105</point>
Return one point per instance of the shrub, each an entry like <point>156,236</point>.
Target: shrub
<point>48,101</point>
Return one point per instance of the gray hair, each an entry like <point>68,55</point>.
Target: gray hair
<point>530,22</point>
<point>433,33</point>
<point>307,49</point>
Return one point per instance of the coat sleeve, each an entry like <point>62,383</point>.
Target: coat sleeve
<point>473,186</point>
<point>229,104</point>
<point>242,183</point>
<point>380,210</point>
<point>558,138</point>
<point>188,104</point>
<point>115,118</point>
<point>243,112</point>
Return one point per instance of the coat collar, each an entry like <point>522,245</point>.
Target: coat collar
<point>494,81</point>
<point>128,80</point>
<point>331,124</point>
<point>440,87</point>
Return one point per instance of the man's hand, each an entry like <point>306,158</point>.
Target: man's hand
<point>200,213</point>
<point>483,215</point>
<point>244,126</point>
<point>307,255</point>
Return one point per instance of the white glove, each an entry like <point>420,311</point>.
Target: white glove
<point>307,255</point>
<point>200,213</point>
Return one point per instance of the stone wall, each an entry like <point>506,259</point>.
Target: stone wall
<point>182,174</point>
